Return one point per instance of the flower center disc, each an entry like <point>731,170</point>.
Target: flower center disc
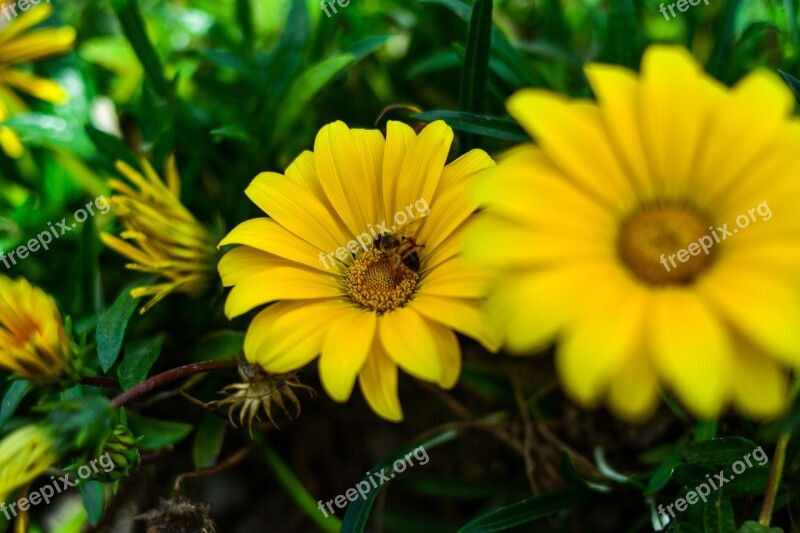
<point>371,284</point>
<point>661,245</point>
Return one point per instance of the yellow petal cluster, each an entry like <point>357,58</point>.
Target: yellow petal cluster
<point>33,342</point>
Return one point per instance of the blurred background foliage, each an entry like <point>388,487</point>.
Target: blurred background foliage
<point>237,87</point>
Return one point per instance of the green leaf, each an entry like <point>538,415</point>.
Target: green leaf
<point>111,148</point>
<point>725,33</point>
<point>296,490</point>
<point>80,421</point>
<point>133,26</point>
<point>793,83</point>
<point>139,358</point>
<point>49,131</point>
<point>93,496</point>
<point>751,526</point>
<point>475,71</point>
<point>111,328</point>
<point>752,480</point>
<point>358,512</point>
<point>313,80</point>
<point>663,473</point>
<point>157,433</point>
<point>220,345</point>
<point>622,34</point>
<point>723,450</point>
<point>208,440</point>
<point>486,125</point>
<point>572,477</point>
<point>718,516</point>
<point>525,511</point>
<point>12,398</point>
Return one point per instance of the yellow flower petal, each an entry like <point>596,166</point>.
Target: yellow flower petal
<point>349,168</point>
<point>399,137</point>
<point>296,208</point>
<point>267,235</point>
<point>378,382</point>
<point>690,348</point>
<point>38,44</point>
<point>423,166</point>
<point>344,351</point>
<point>41,88</point>
<point>464,316</point>
<point>408,340</point>
<point>280,283</point>
<point>288,335</point>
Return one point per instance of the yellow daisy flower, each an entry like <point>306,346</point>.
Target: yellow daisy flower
<point>24,455</point>
<point>20,46</point>
<point>33,342</point>
<point>366,307</point>
<point>639,234</point>
<point>161,236</point>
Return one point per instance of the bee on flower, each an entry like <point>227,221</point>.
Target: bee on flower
<point>373,314</point>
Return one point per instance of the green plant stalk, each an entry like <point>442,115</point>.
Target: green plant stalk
<point>778,462</point>
<point>296,489</point>
<point>475,72</point>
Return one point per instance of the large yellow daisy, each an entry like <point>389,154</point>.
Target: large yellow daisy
<point>17,45</point>
<point>654,235</point>
<point>367,309</point>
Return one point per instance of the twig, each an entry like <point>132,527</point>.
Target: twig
<point>233,460</point>
<point>170,375</point>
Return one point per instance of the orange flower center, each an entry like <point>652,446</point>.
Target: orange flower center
<point>666,245</point>
<point>374,283</point>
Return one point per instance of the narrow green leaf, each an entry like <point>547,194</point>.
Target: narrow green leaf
<point>486,125</point>
<point>313,80</point>
<point>12,398</point>
<point>244,16</point>
<point>792,82</point>
<point>621,44</point>
<point>296,490</point>
<point>572,477</point>
<point>526,511</point>
<point>208,440</point>
<point>111,148</point>
<point>724,450</point>
<point>358,512</point>
<point>133,26</point>
<point>93,500</point>
<point>157,433</point>
<point>718,516</point>
<point>139,358</point>
<point>475,71</point>
<point>725,33</point>
<point>111,328</point>
<point>663,473</point>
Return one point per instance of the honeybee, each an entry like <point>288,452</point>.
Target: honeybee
<point>401,251</point>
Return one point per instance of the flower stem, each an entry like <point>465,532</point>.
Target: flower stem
<point>92,381</point>
<point>778,461</point>
<point>774,480</point>
<point>168,376</point>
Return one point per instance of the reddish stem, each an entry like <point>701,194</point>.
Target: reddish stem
<point>170,375</point>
